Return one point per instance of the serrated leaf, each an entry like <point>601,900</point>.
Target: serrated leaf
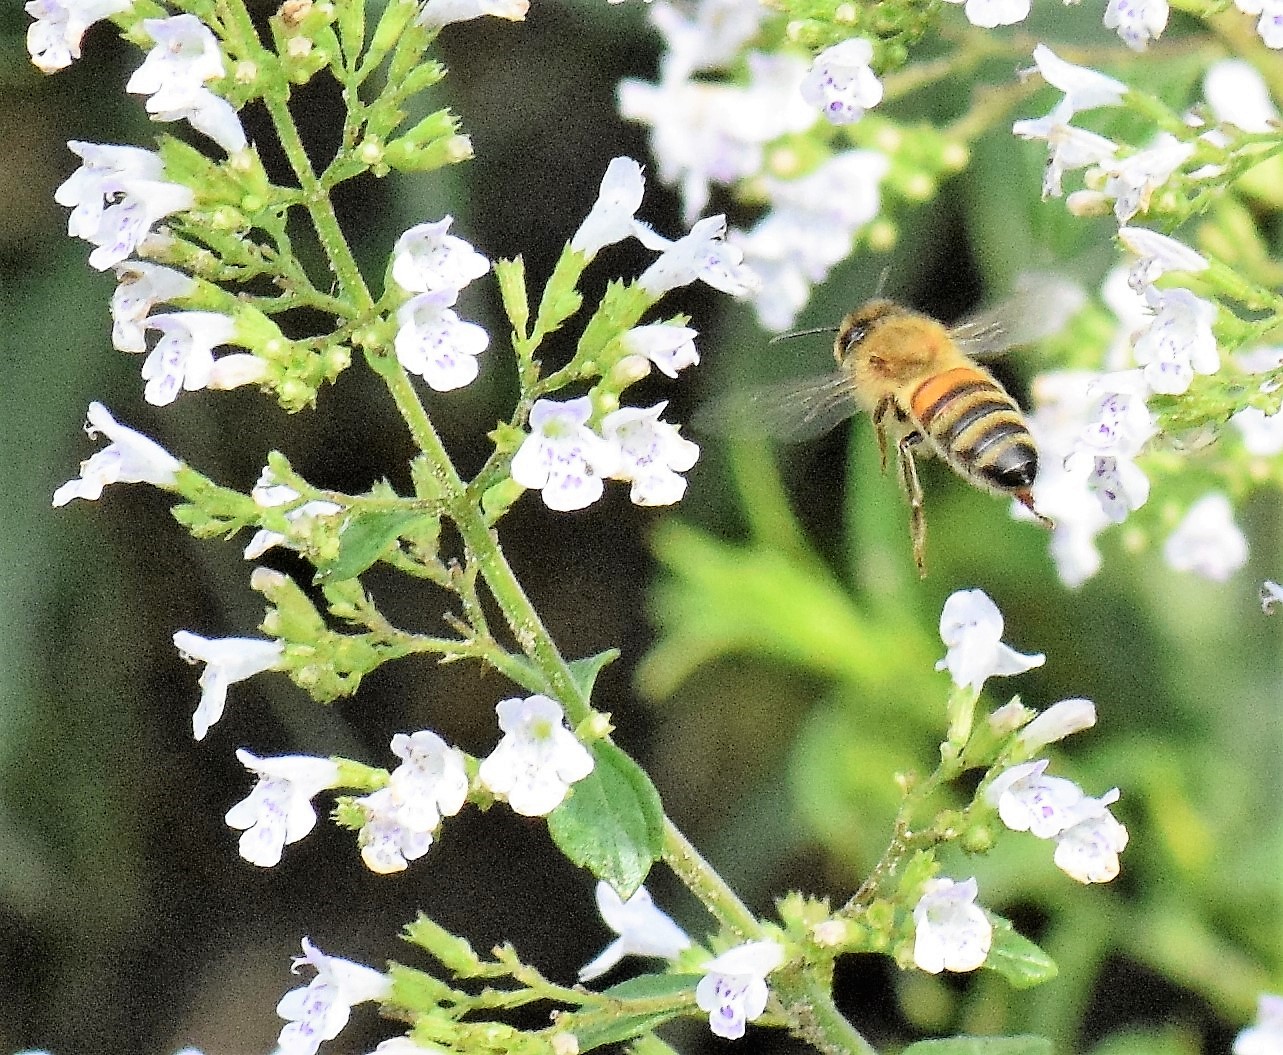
<point>613,823</point>
<point>585,670</point>
<point>1017,958</point>
<point>1022,1045</point>
<point>364,539</point>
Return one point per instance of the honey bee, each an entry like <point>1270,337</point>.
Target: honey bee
<point>924,388</point>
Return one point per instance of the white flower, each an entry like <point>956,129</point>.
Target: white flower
<point>184,356</point>
<point>1087,848</point>
<point>671,348</point>
<point>209,114</point>
<point>1030,801</point>
<point>1262,433</point>
<point>269,493</point>
<point>733,990</point>
<point>841,84</point>
<point>650,453</point>
<point>1122,423</point>
<point>1132,180</point>
<point>705,133</point>
<point>702,255</point>
<point>386,844</point>
<point>707,35</point>
<point>951,932</point>
<point>1069,148</point>
<point>1266,1036</point>
<point>227,660</point>
<point>1207,541</point>
<point>990,13</point>
<point>1271,596</point>
<point>1178,343</point>
<point>130,458</point>
<point>611,218</point>
<point>438,13</point>
<point>278,811</point>
<point>537,759</point>
<point>435,343</point>
<point>1055,723</point>
<point>1084,88</point>
<point>140,287</point>
<point>116,196</point>
<point>1270,25</point>
<point>643,929</point>
<point>971,628</point>
<point>53,39</point>
<point>1156,255</point>
<point>186,55</point>
<point>563,458</point>
<point>1119,484</point>
<point>430,783</point>
<point>1137,21</point>
<point>425,259</point>
<point>1237,94</point>
<point>318,1011</point>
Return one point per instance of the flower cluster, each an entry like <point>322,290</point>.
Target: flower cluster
<point>532,768</point>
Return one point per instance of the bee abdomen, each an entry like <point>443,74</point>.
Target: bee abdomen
<point>977,427</point>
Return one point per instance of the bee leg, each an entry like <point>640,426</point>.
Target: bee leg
<point>1026,499</point>
<point>912,488</point>
<point>884,409</point>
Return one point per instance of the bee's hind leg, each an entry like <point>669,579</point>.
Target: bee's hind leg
<point>913,489</point>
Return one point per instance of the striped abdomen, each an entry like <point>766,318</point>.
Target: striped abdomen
<point>978,428</point>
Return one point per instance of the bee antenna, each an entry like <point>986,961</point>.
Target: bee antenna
<point>802,333</point>
<point>882,282</point>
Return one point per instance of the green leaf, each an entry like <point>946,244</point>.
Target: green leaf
<point>613,823</point>
<point>364,539</point>
<point>595,1029</point>
<point>1022,1045</point>
<point>512,289</point>
<point>1016,958</point>
<point>585,670</point>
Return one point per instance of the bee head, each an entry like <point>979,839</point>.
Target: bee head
<point>857,326</point>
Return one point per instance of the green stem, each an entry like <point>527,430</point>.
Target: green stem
<point>702,880</point>
<point>815,1018</point>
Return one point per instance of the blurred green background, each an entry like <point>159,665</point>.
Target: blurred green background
<point>777,645</point>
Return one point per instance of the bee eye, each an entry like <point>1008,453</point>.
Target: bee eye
<point>854,336</point>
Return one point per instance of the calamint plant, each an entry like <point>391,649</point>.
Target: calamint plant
<point>784,107</point>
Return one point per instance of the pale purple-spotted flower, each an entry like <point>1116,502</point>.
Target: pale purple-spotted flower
<point>1179,342</point>
<point>1055,723</point>
<point>318,1011</point>
<point>1069,148</point>
<point>438,13</point>
<point>184,356</point>
<point>841,84</point>
<point>430,783</point>
<point>1270,24</point>
<point>1084,88</point>
<point>649,453</point>
<point>53,39</point>
<point>708,35</point>
<point>611,218</point>
<point>209,114</point>
<point>435,343</point>
<point>733,990</point>
<point>227,660</point>
<point>644,929</point>
<point>1137,21</point>
<point>702,255</point>
<point>278,811</point>
<point>1265,1037</point>
<point>116,196</point>
<point>130,458</point>
<point>562,458</point>
<point>1207,541</point>
<point>971,628</point>
<point>1088,848</point>
<point>1030,801</point>
<point>1156,254</point>
<point>425,259</point>
<point>140,287</point>
<point>387,845</point>
<point>537,759</point>
<point>1118,483</point>
<point>1132,181</point>
<point>670,348</point>
<point>988,14</point>
<point>951,932</point>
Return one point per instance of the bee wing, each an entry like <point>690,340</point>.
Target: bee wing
<point>1041,306</point>
<point>791,411</point>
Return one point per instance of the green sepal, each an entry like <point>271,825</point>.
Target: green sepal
<point>613,823</point>
<point>512,288</point>
<point>365,538</point>
<point>595,1029</point>
<point>1016,958</point>
<point>453,952</point>
<point>1022,1045</point>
